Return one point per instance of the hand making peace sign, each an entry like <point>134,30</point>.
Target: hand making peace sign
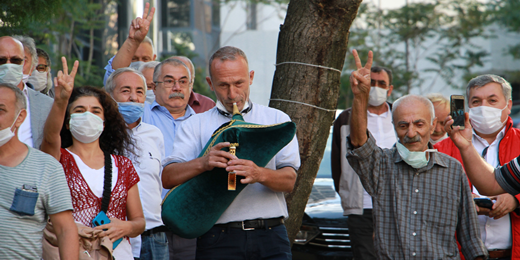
<point>140,26</point>
<point>64,82</point>
<point>360,79</point>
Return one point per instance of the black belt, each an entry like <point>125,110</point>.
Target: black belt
<point>253,224</point>
<point>154,230</point>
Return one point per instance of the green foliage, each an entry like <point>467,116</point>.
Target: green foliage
<point>52,23</point>
<point>16,16</point>
<point>440,32</point>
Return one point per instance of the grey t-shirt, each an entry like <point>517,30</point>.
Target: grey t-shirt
<point>21,232</point>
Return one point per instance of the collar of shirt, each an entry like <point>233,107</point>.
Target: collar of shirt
<point>193,98</point>
<point>247,108</point>
<point>434,159</point>
<point>385,114</point>
<point>189,110</point>
<point>483,141</point>
<point>136,128</point>
<point>25,91</point>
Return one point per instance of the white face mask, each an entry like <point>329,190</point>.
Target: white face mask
<point>150,96</point>
<point>486,120</point>
<point>25,78</point>
<point>377,96</point>
<point>38,80</point>
<point>6,134</point>
<point>11,73</point>
<point>85,127</point>
<point>415,159</point>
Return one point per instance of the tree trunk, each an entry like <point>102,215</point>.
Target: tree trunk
<point>314,32</point>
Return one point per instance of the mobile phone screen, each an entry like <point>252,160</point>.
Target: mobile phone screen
<point>457,110</point>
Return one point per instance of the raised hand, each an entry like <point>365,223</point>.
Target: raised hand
<point>460,137</point>
<point>140,26</point>
<point>64,82</point>
<point>360,79</point>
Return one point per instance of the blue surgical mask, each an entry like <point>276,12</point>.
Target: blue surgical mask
<point>131,111</point>
<point>150,96</point>
<point>11,73</point>
<point>415,159</point>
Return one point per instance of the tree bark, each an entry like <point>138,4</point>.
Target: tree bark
<point>314,32</point>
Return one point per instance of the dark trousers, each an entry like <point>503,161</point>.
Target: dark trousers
<point>361,230</point>
<point>181,248</point>
<point>234,243</point>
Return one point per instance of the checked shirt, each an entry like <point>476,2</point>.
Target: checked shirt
<point>417,211</point>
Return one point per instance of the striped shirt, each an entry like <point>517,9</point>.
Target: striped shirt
<point>417,211</point>
<point>508,176</point>
<point>22,234</point>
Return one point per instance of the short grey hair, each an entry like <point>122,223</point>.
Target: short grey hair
<point>21,103</point>
<point>148,65</point>
<point>111,84</point>
<point>483,80</point>
<point>421,99</point>
<point>28,44</point>
<point>149,41</point>
<point>438,97</point>
<point>190,64</point>
<point>136,65</point>
<point>171,61</point>
<point>226,53</point>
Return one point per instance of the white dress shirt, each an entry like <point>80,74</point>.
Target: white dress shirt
<point>149,148</point>
<point>25,132</point>
<point>382,129</point>
<point>496,233</point>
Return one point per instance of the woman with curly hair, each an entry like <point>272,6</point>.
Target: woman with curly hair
<point>87,134</point>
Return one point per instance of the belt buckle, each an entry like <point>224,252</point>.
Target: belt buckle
<point>246,229</point>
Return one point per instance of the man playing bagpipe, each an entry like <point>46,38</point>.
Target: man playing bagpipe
<point>204,166</point>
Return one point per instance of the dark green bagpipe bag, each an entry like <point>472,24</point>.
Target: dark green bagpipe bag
<point>192,208</point>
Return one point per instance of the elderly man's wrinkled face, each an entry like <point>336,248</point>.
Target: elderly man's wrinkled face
<point>230,79</point>
<point>441,112</point>
<point>11,51</point>
<point>129,88</point>
<point>412,122</point>
<point>172,90</point>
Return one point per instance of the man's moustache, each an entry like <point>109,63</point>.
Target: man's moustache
<point>176,95</point>
<point>407,139</point>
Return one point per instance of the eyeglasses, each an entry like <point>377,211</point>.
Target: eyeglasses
<point>16,61</point>
<point>42,67</point>
<point>169,83</point>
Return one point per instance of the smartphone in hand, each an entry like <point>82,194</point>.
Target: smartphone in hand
<point>102,219</point>
<point>483,202</point>
<point>457,110</point>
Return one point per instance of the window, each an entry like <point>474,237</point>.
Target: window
<point>176,13</point>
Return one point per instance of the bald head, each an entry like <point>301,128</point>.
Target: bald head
<point>5,41</point>
<point>12,50</point>
<point>414,121</point>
